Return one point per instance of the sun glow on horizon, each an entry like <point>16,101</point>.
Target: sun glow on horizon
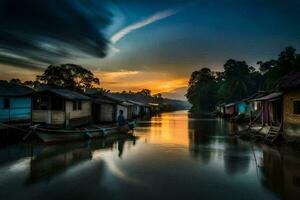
<point>124,80</point>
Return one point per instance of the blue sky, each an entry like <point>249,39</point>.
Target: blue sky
<point>159,42</point>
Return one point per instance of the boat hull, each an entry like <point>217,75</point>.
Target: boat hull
<point>55,136</point>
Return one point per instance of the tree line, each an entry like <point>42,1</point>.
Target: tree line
<point>73,77</point>
<point>238,80</point>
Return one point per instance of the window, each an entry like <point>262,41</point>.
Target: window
<point>74,105</point>
<point>57,104</point>
<point>297,107</point>
<point>6,103</point>
<point>40,103</point>
<point>79,105</point>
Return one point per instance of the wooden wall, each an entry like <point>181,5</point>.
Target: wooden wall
<point>78,117</point>
<point>124,108</point>
<point>69,117</point>
<point>20,109</point>
<point>48,117</point>
<point>291,121</point>
<point>107,113</point>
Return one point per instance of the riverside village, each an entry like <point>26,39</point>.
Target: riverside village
<point>149,100</point>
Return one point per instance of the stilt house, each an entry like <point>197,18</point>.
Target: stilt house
<point>15,103</point>
<point>290,85</point>
<point>60,108</point>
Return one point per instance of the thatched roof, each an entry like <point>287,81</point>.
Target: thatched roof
<point>290,81</point>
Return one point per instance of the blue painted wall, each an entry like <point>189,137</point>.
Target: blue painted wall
<point>20,109</point>
<point>241,107</point>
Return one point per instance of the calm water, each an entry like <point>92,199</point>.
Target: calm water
<point>173,158</point>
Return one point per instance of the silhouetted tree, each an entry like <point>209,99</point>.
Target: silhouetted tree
<point>16,81</point>
<point>287,61</point>
<point>202,90</point>
<point>239,81</point>
<point>145,92</point>
<point>69,76</point>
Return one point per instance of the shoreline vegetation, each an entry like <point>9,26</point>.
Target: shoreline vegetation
<point>266,101</point>
<point>238,80</point>
<point>77,78</point>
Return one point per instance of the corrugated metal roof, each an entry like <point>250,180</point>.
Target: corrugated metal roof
<point>67,94</point>
<point>136,103</point>
<point>14,90</point>
<point>230,104</point>
<point>104,101</point>
<point>272,96</point>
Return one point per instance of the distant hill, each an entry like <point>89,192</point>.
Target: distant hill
<point>166,103</point>
<point>178,93</point>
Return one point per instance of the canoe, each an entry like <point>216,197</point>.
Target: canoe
<point>64,135</point>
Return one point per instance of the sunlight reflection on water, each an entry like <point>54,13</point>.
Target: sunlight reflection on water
<point>173,157</point>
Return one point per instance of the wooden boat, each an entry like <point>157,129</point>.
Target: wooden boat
<point>64,135</point>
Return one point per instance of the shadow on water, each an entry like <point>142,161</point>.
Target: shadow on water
<point>209,137</point>
<point>175,157</point>
<point>55,159</point>
<point>281,170</point>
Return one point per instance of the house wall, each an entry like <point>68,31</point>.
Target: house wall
<point>125,110</point>
<point>69,117</point>
<point>107,113</point>
<point>130,112</point>
<point>78,117</point>
<point>56,118</point>
<point>291,122</point>
<point>20,109</point>
<point>136,110</point>
<point>229,110</point>
<point>241,107</point>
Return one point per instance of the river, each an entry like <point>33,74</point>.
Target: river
<point>173,157</point>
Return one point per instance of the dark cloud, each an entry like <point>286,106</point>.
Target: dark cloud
<point>50,31</point>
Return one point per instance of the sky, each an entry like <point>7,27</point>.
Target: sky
<point>136,44</point>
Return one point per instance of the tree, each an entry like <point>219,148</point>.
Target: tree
<point>158,96</point>
<point>287,61</point>
<point>202,90</point>
<point>16,81</point>
<point>31,84</point>
<point>239,81</point>
<point>145,92</point>
<point>69,76</point>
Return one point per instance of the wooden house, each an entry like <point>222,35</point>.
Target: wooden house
<point>271,109</point>
<point>254,107</point>
<point>60,108</point>
<point>15,103</point>
<point>290,85</point>
<point>241,107</point>
<point>220,109</point>
<point>230,109</point>
<point>107,106</point>
<point>137,108</point>
<point>103,110</point>
<point>122,104</point>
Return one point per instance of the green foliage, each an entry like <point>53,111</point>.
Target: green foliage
<point>16,81</point>
<point>238,80</point>
<point>201,92</point>
<point>69,76</point>
<point>287,61</point>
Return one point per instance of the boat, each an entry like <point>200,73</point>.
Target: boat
<point>48,135</point>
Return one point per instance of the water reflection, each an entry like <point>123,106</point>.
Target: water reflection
<point>281,170</point>
<point>174,157</point>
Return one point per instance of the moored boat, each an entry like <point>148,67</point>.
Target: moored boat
<point>63,135</point>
